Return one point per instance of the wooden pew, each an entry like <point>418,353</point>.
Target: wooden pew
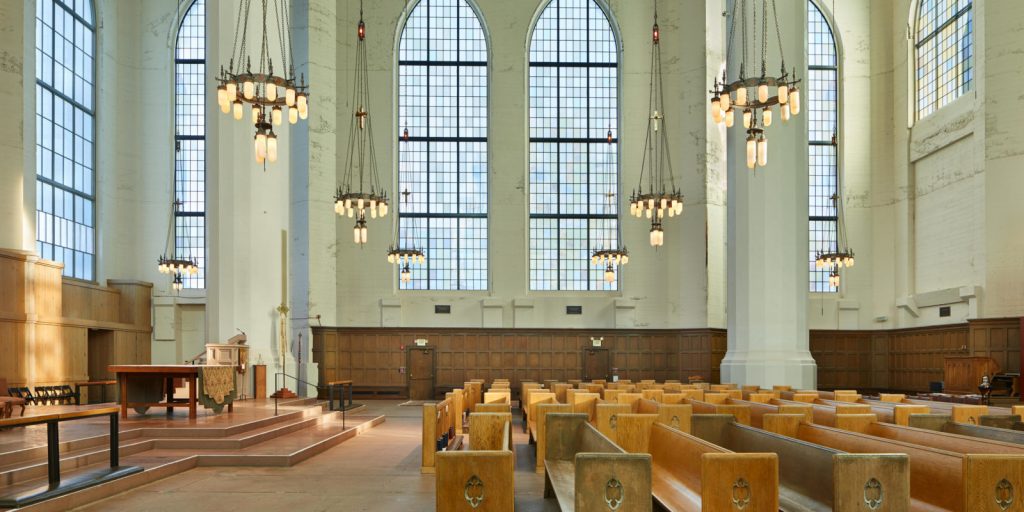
<point>474,392</point>
<point>479,479</point>
<point>586,403</point>
<point>458,401</point>
<point>939,479</point>
<point>814,477</point>
<point>541,431</point>
<point>585,471</point>
<point>676,416</point>
<point>945,423</point>
<point>866,424</point>
<point>498,397</point>
<point>487,431</point>
<point>740,411</point>
<point>690,474</point>
<point>494,408</point>
<point>536,397</point>
<point>607,417</point>
<point>759,409</point>
<point>559,390</point>
<point>825,414</point>
<point>438,423</point>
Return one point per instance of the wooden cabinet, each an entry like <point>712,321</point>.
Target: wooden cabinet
<point>259,381</point>
<point>963,374</point>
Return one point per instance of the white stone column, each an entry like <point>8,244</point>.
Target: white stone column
<point>767,234</point>
<point>17,132</point>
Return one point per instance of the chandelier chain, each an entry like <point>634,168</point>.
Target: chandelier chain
<point>264,45</point>
<point>282,8</point>
<point>743,23</point>
<point>732,36</point>
<point>778,34</point>
<point>243,19</point>
<point>764,38</point>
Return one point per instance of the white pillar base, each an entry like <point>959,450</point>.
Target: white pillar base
<point>796,369</point>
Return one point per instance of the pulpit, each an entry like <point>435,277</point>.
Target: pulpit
<point>233,353</point>
<point>963,374</point>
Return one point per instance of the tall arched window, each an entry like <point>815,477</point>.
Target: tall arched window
<point>574,180</point>
<point>442,141</point>
<point>823,116</point>
<point>945,56</point>
<point>190,141</point>
<point>65,134</point>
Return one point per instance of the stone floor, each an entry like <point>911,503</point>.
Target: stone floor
<point>376,471</point>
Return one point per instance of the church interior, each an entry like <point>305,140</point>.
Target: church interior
<point>496,255</point>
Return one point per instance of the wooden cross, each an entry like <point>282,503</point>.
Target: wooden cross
<point>361,114</point>
<point>405,195</point>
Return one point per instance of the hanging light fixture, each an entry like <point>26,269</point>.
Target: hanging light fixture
<point>610,259</point>
<point>361,193</point>
<point>168,262</point>
<point>403,258</point>
<point>241,84</point>
<point>839,255</point>
<point>658,197</point>
<point>177,284</point>
<point>755,96</point>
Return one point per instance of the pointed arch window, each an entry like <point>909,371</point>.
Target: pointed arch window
<point>190,141</point>
<point>65,135</point>
<point>945,53</point>
<point>823,116</point>
<point>574,178</point>
<point>442,140</point>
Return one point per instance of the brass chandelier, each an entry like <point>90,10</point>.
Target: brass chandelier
<point>361,192</point>
<point>171,264</point>
<point>659,196</point>
<point>767,91</point>
<point>838,255</point>
<point>259,90</point>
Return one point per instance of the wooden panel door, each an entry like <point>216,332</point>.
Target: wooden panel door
<point>595,363</point>
<point>421,373</point>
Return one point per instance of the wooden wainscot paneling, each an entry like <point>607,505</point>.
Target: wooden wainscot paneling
<point>372,357</point>
<point>87,301</point>
<point>136,302</point>
<point>14,267</point>
<point>917,356</point>
<point>998,338</point>
<point>844,358</point>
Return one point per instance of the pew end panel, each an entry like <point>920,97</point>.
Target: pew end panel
<point>998,420</point>
<point>783,424</point>
<point>968,413</point>
<point>493,408</point>
<point>716,398</point>
<point>487,430</point>
<point>928,421</point>
<point>993,482</point>
<point>744,481</point>
<point>613,481</point>
<point>586,403</point>
<point>892,397</point>
<point>542,412</point>
<point>677,416</point>
<point>804,397</point>
<point>806,410</point>
<point>608,417</point>
<point>658,395</point>
<point>475,481</point>
<point>761,398</point>
<point>855,422</point>
<point>741,412</point>
<point>711,427</point>
<point>901,413</point>
<point>634,432</point>
<point>878,481</point>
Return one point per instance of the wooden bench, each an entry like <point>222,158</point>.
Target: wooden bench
<point>486,431</point>
<point>984,430</point>
<point>479,479</point>
<point>676,416</point>
<point>498,397</point>
<point>939,479</point>
<point>540,432</point>
<point>815,477</point>
<point>438,432</point>
<point>586,471</point>
<point>607,417</point>
<point>759,409</point>
<point>494,408</point>
<point>868,424</point>
<point>690,474</point>
<point>536,397</point>
<point>55,486</point>
<point>740,411</point>
<point>474,394</point>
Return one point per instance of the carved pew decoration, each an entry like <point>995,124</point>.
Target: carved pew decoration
<point>585,471</point>
<point>479,479</point>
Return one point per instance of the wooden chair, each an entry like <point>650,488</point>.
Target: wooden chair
<point>7,402</point>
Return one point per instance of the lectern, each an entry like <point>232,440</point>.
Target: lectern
<point>963,374</point>
<point>233,353</point>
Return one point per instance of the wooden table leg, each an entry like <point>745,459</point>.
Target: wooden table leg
<point>122,379</point>
<point>169,389</point>
<point>192,398</point>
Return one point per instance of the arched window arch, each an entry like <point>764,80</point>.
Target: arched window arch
<point>190,141</point>
<point>945,55</point>
<point>822,157</point>
<point>574,178</point>
<point>442,141</point>
<point>65,135</point>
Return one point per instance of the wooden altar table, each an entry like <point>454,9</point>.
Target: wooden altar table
<point>166,373</point>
